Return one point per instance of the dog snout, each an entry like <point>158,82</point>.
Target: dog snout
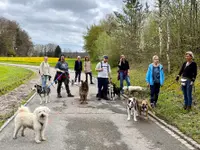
<point>42,116</point>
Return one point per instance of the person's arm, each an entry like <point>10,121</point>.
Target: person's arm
<point>75,66</point>
<point>58,67</point>
<point>41,69</point>
<point>147,76</point>
<point>128,67</point>
<point>98,67</point>
<point>109,72</point>
<point>81,66</point>
<point>181,71</point>
<point>195,72</point>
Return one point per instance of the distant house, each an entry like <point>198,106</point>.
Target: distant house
<point>75,54</point>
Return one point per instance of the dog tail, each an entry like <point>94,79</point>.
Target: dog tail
<point>23,109</point>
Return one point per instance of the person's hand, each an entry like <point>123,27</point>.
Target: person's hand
<point>128,74</point>
<point>191,83</point>
<point>100,70</point>
<point>62,71</point>
<point>177,78</point>
<point>49,78</point>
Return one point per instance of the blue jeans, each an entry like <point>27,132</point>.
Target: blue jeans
<point>121,75</point>
<point>187,92</point>
<point>44,80</point>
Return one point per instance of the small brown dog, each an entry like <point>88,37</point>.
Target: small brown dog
<point>144,106</point>
<point>83,92</point>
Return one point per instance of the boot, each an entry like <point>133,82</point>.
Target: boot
<point>185,107</point>
<point>59,95</point>
<point>70,95</point>
<point>189,107</point>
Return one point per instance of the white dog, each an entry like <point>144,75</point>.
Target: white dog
<point>133,88</point>
<point>132,108</point>
<point>36,121</point>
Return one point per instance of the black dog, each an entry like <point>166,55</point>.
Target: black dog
<point>43,92</point>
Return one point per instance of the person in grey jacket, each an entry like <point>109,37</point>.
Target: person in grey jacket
<point>88,69</point>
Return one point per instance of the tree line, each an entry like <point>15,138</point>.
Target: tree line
<point>168,30</point>
<point>14,41</point>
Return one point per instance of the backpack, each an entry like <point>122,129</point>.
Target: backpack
<point>107,66</point>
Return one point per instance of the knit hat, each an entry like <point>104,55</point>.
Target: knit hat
<point>190,53</point>
<point>105,57</point>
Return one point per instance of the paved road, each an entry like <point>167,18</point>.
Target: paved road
<point>100,125</point>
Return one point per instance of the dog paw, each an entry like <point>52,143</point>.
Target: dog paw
<point>128,119</point>
<point>40,103</point>
<point>14,137</point>
<point>38,141</point>
<point>135,119</point>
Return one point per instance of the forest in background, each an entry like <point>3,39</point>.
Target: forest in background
<point>168,30</point>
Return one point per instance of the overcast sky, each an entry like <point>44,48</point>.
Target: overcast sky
<point>61,22</point>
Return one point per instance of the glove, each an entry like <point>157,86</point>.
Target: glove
<point>177,78</point>
<point>49,78</point>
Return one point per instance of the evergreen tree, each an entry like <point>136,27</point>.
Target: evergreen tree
<point>58,51</point>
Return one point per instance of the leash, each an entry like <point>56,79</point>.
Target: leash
<point>55,80</point>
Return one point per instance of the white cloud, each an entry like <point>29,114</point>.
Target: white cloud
<point>58,21</point>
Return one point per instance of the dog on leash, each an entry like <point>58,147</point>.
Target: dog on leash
<point>43,93</point>
<point>143,107</point>
<point>113,90</point>
<point>83,92</point>
<point>132,108</point>
<point>36,121</point>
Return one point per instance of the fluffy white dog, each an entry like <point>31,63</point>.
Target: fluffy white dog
<point>36,121</point>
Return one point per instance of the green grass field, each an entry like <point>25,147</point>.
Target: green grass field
<point>11,77</point>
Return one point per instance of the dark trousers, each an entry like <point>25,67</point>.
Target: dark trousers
<point>78,75</point>
<point>66,82</point>
<point>90,74</point>
<point>155,89</point>
<point>102,83</point>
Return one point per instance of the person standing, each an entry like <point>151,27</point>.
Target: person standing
<point>78,69</point>
<point>62,75</point>
<point>155,78</point>
<point>188,72</point>
<point>44,71</point>
<point>88,69</point>
<point>123,66</point>
<point>104,74</point>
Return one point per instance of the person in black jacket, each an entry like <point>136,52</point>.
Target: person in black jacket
<point>123,72</point>
<point>189,73</point>
<point>78,69</point>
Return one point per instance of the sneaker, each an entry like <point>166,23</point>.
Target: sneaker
<point>59,96</point>
<point>75,83</point>
<point>99,98</point>
<point>152,105</point>
<point>70,95</point>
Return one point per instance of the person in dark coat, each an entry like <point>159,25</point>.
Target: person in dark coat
<point>78,69</point>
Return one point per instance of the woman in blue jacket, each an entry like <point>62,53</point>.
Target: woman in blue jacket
<point>155,78</point>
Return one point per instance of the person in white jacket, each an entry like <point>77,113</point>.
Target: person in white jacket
<point>44,71</point>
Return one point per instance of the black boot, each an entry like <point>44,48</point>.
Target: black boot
<point>70,95</point>
<point>59,95</point>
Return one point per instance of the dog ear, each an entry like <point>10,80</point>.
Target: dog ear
<point>47,110</point>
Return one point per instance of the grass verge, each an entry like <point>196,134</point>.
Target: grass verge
<point>11,77</point>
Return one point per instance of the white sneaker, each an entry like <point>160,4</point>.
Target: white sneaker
<point>79,83</point>
<point>76,83</point>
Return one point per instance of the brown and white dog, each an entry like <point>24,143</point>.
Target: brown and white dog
<point>83,92</point>
<point>143,107</point>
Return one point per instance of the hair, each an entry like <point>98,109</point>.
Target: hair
<point>155,56</point>
<point>78,57</point>
<point>86,58</point>
<point>190,53</point>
